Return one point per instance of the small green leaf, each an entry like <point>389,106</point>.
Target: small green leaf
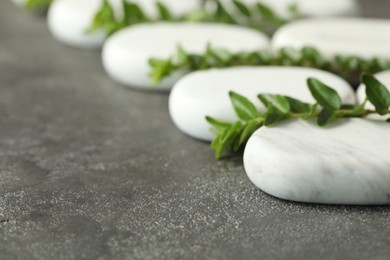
<point>37,4</point>
<point>242,8</point>
<point>313,55</point>
<point>325,116</point>
<point>377,94</point>
<point>104,19</point>
<point>133,13</point>
<point>165,14</point>
<point>348,107</point>
<point>388,120</point>
<point>247,132</point>
<point>327,97</point>
<point>245,109</point>
<point>223,56</point>
<point>298,106</point>
<point>226,140</point>
<point>182,55</point>
<point>279,103</point>
<point>218,125</point>
<point>269,14</point>
<point>222,15</point>
<point>160,69</point>
<point>273,118</point>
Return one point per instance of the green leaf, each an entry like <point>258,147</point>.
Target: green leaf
<point>377,94</point>
<point>105,19</point>
<point>37,4</point>
<point>388,120</point>
<point>218,125</point>
<point>327,97</point>
<point>223,56</point>
<point>160,69</point>
<point>222,15</point>
<point>325,116</point>
<point>133,13</point>
<point>247,132</point>
<point>348,106</point>
<point>298,106</point>
<point>225,141</point>
<point>182,55</point>
<point>242,8</point>
<point>245,109</point>
<point>165,14</point>
<point>273,118</point>
<point>269,14</point>
<point>279,103</point>
<point>313,55</point>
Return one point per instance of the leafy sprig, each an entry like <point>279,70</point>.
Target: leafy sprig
<point>349,67</point>
<point>38,5</point>
<point>259,16</point>
<point>328,106</point>
<point>107,20</point>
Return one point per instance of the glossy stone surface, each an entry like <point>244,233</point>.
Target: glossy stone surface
<point>337,36</point>
<point>344,163</point>
<point>126,54</point>
<point>206,93</point>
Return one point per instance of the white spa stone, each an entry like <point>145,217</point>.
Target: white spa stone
<point>205,93</point>
<point>367,38</point>
<point>69,20</point>
<point>345,163</point>
<point>383,77</point>
<point>306,7</point>
<point>126,54</point>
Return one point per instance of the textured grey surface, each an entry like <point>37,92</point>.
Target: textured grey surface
<point>91,170</point>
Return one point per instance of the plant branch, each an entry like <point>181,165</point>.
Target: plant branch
<point>233,136</point>
<point>348,67</point>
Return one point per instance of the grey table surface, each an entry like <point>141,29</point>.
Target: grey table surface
<point>91,170</point>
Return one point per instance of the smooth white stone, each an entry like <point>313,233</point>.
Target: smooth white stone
<point>306,7</point>
<point>205,93</point>
<point>69,20</point>
<point>347,163</point>
<point>383,77</point>
<point>367,38</point>
<point>126,54</point>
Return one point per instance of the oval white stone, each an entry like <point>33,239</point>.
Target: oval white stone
<point>347,163</point>
<point>306,7</point>
<point>367,38</point>
<point>383,77</point>
<point>69,20</point>
<point>205,93</point>
<point>126,54</point>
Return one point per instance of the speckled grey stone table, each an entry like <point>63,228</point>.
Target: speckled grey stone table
<point>91,170</point>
